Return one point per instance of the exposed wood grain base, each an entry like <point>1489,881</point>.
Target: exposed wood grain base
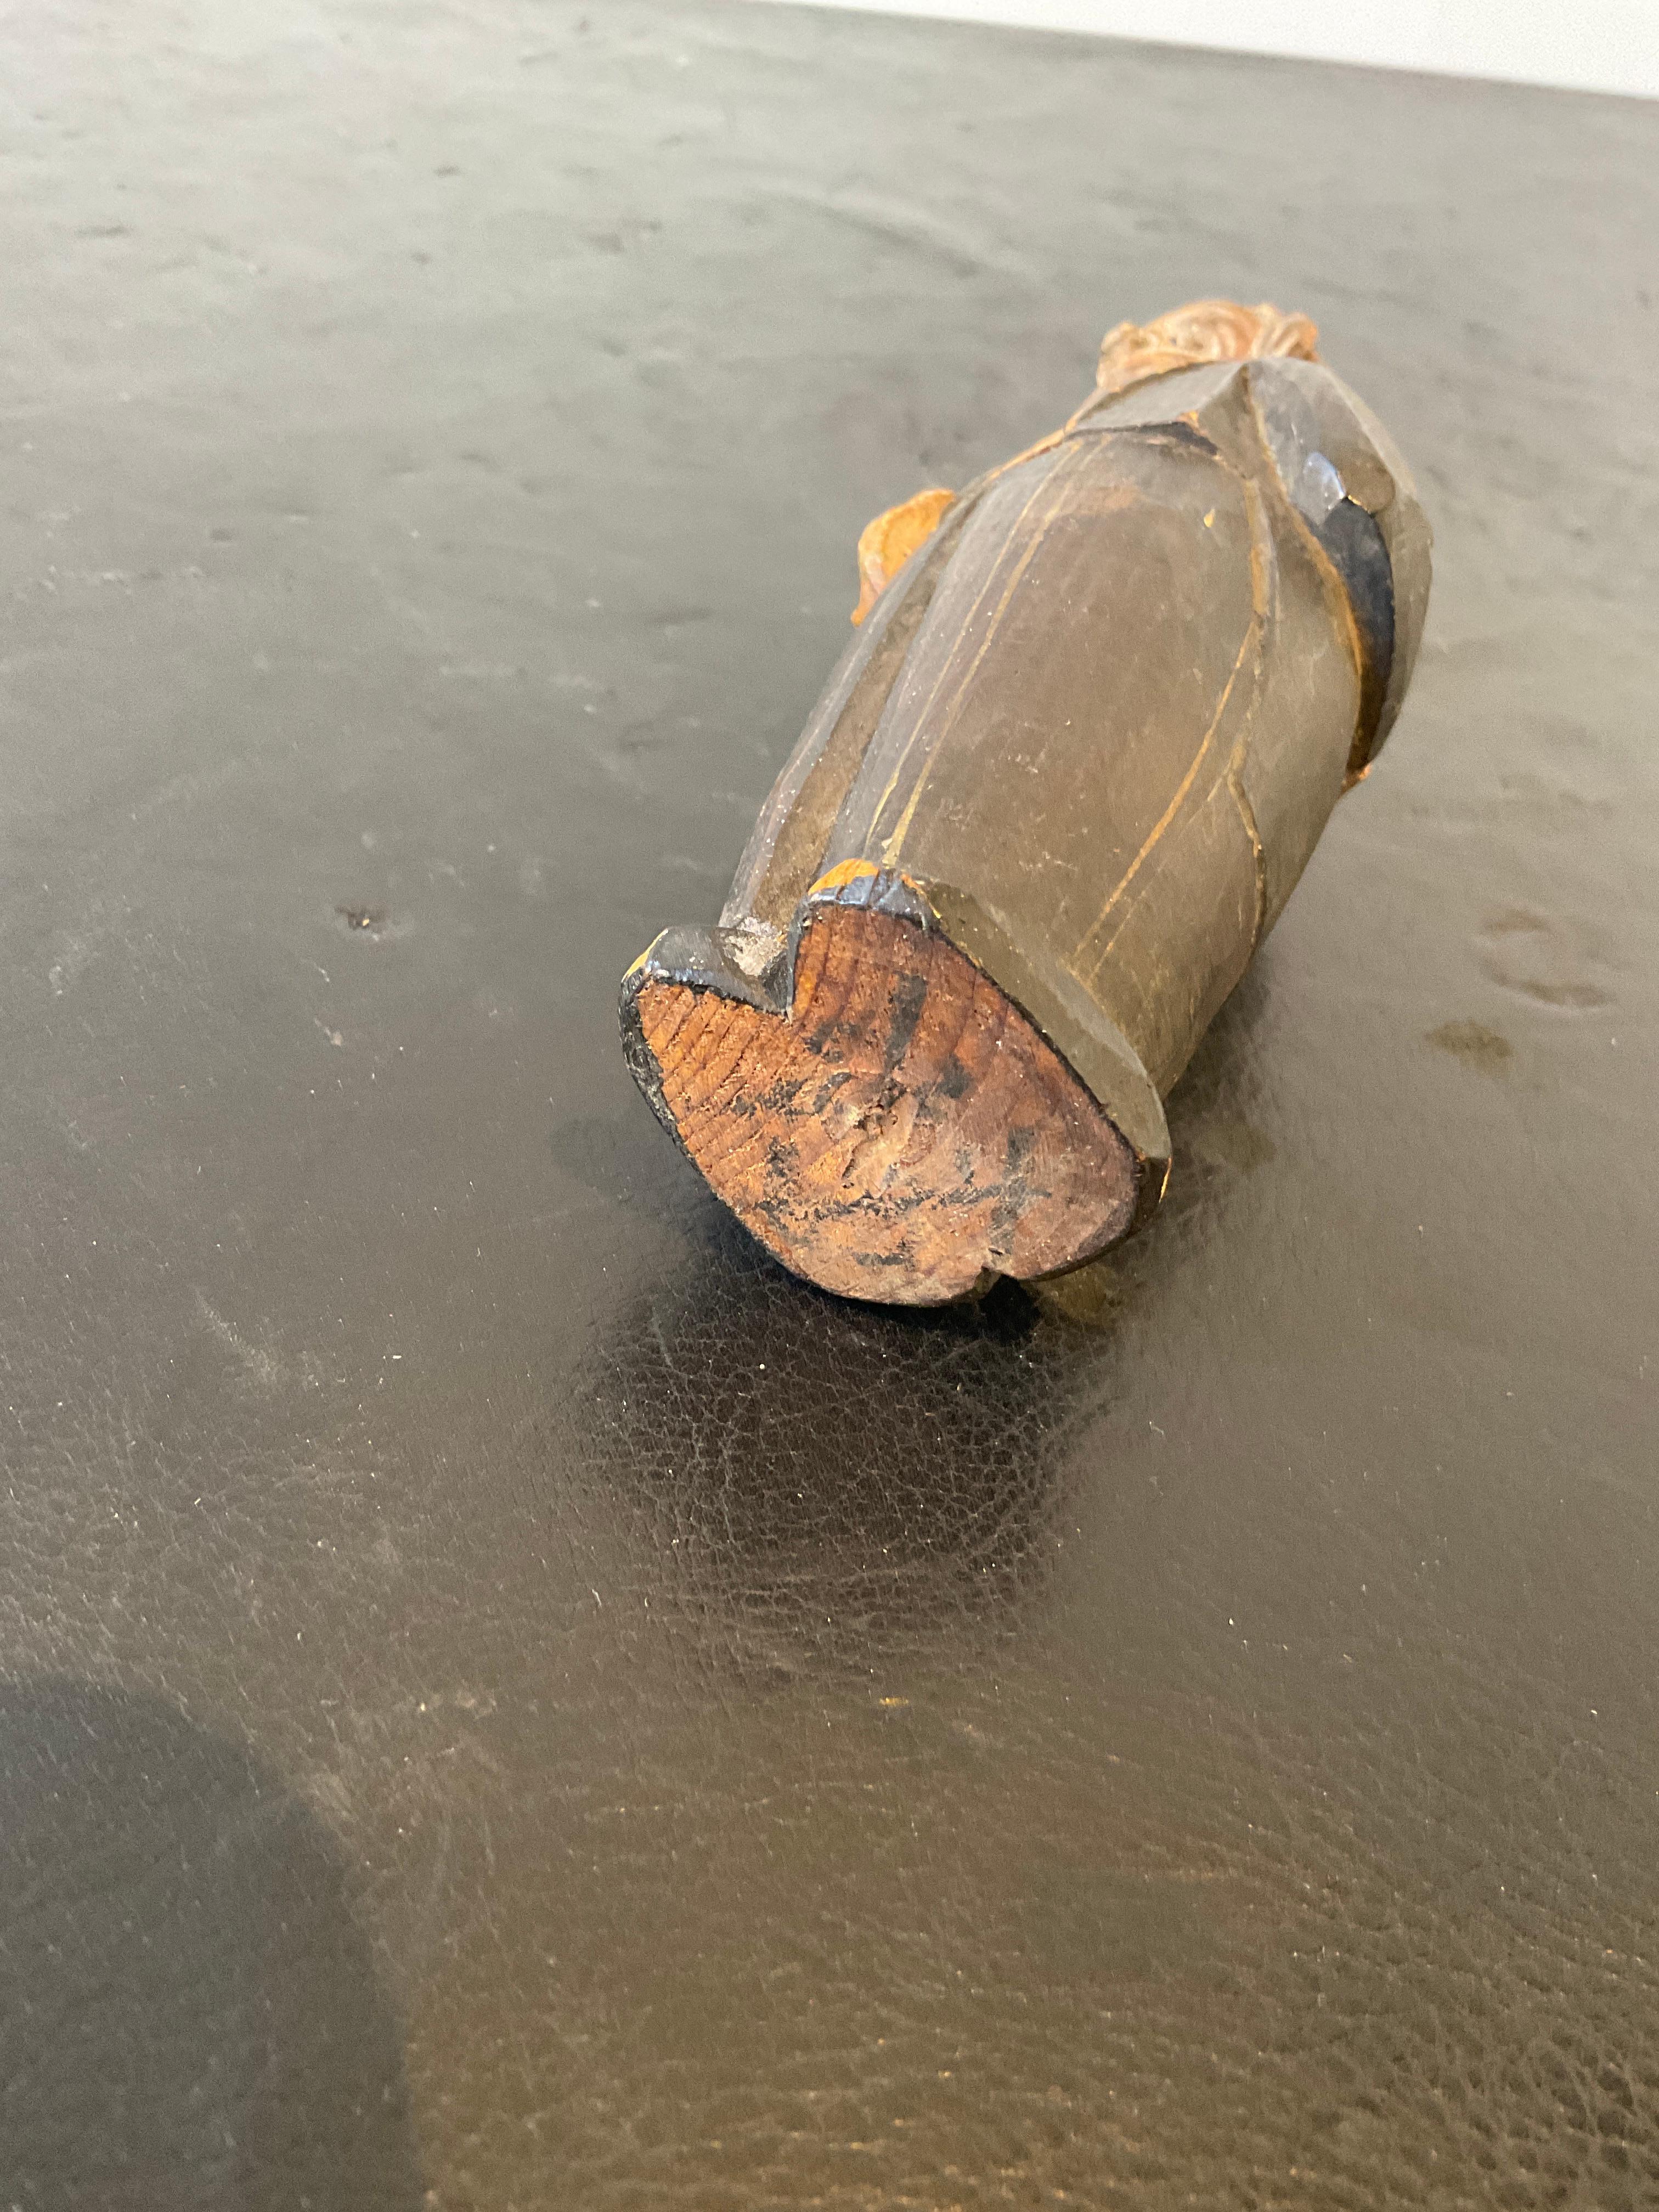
<point>903,1131</point>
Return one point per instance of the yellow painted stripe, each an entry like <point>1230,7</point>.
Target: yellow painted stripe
<point>844,871</point>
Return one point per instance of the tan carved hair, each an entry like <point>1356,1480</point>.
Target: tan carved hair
<point>1204,329</point>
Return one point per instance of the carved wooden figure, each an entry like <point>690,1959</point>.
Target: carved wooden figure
<point>1099,708</point>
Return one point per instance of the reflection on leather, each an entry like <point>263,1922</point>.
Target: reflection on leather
<point>820,1482</point>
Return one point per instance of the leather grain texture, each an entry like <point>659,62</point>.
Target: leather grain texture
<point>512,1702</point>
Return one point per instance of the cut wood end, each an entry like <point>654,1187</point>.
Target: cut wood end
<point>904,1132</point>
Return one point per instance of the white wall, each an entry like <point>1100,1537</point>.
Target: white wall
<point>1599,45</point>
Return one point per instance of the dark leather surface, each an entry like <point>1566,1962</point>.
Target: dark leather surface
<point>515,1703</point>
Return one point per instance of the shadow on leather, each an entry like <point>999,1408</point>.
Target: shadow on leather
<point>189,2015</point>
<point>816,1478</point>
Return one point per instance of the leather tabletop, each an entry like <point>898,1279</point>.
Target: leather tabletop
<point>509,1700</point>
